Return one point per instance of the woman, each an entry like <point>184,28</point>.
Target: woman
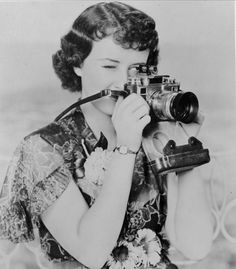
<point>84,181</point>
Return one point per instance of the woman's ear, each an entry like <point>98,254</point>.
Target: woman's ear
<point>77,71</point>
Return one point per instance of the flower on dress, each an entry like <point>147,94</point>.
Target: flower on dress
<point>124,256</point>
<point>151,247</point>
<point>143,252</point>
<point>96,165</point>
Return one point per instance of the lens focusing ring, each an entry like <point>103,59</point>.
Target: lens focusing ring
<point>184,107</point>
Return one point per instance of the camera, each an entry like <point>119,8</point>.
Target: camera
<point>167,103</point>
<point>163,94</point>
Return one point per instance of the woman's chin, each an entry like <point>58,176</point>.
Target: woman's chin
<point>107,107</point>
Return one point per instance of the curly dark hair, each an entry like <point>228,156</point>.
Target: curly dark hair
<point>130,28</point>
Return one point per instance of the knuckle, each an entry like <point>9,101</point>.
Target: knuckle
<point>132,96</point>
<point>148,118</point>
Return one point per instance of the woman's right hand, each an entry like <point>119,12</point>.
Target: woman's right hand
<point>129,118</point>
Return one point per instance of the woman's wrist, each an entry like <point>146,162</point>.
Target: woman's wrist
<point>123,149</point>
<point>131,145</point>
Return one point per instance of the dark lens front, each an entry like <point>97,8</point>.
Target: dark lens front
<point>184,107</point>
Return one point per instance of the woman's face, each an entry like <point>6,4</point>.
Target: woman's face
<point>106,67</point>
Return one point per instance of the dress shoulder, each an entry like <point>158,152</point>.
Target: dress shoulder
<point>36,177</point>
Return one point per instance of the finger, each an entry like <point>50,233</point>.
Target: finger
<point>199,118</point>
<point>144,121</point>
<point>119,101</point>
<point>141,112</point>
<point>132,99</point>
<point>134,103</point>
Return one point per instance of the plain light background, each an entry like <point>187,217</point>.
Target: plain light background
<point>196,43</point>
<point>197,47</point>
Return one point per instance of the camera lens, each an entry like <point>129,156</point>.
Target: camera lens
<point>184,107</point>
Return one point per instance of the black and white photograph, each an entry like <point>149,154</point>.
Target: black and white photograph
<point>118,128</point>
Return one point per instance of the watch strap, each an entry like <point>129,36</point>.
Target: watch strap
<point>124,150</point>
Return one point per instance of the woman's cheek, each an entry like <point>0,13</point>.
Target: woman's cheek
<point>105,80</point>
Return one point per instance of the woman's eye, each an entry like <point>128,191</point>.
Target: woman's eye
<point>109,66</point>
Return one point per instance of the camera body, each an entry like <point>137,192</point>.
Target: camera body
<point>163,94</point>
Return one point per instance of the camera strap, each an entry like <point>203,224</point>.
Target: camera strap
<point>103,93</point>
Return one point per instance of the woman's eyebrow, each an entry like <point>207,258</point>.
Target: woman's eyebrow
<point>117,61</point>
<point>109,59</point>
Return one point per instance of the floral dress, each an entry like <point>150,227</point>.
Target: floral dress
<point>41,169</point>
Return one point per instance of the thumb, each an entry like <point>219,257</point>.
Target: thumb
<point>200,118</point>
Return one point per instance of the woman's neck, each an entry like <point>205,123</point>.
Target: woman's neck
<point>99,122</point>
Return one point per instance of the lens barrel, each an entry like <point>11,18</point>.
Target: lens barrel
<point>184,107</point>
<point>175,106</point>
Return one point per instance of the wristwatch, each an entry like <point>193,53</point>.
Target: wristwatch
<point>124,150</point>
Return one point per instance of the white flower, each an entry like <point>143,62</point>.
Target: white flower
<point>145,235</point>
<point>143,252</point>
<point>123,256</point>
<point>96,165</point>
<point>151,247</point>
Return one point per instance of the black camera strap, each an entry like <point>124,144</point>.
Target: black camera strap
<point>103,93</point>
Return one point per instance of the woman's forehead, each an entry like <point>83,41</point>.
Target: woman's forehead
<point>107,49</point>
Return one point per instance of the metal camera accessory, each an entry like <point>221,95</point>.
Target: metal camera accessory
<point>180,158</point>
<point>165,156</point>
<point>163,94</point>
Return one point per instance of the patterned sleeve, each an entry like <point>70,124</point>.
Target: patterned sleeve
<point>35,178</point>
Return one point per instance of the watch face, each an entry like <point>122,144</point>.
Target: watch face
<point>125,150</point>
